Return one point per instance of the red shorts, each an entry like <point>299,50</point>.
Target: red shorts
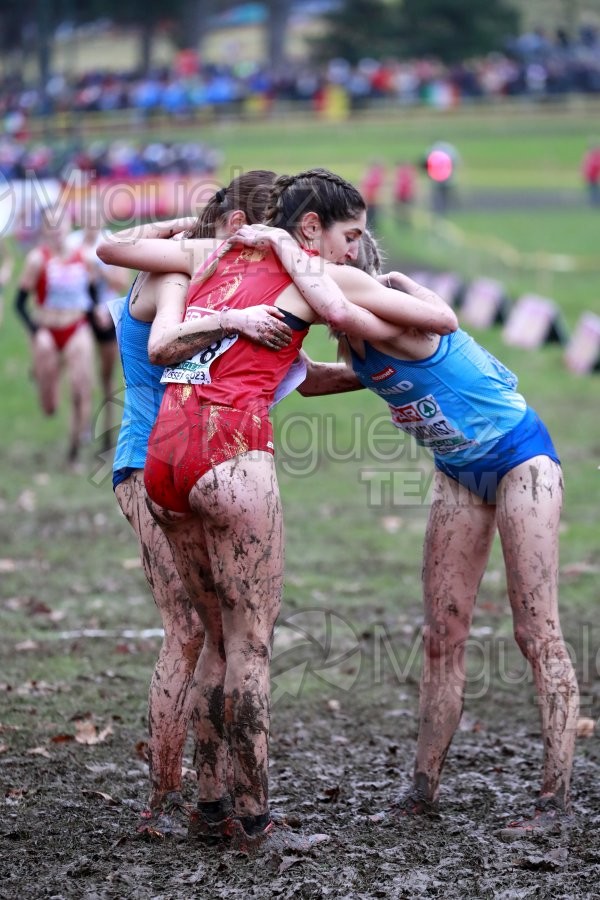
<point>61,336</point>
<point>188,441</point>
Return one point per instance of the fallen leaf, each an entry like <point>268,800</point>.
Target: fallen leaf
<point>392,524</point>
<point>87,733</point>
<point>57,615</point>
<point>287,862</point>
<point>26,501</point>
<point>330,795</point>
<point>62,738</point>
<point>141,750</point>
<point>8,565</point>
<point>585,727</point>
<point>100,795</point>
<point>132,563</point>
<point>38,751</point>
<point>579,568</point>
<point>3,748</point>
<point>15,604</point>
<point>27,645</point>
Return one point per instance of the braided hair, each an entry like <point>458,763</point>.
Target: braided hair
<point>320,191</point>
<point>249,192</point>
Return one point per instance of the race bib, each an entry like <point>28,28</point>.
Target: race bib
<point>424,420</point>
<point>197,369</point>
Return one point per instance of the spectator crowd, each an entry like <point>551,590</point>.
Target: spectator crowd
<point>533,65</point>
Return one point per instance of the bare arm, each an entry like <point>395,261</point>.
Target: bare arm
<point>145,247</point>
<point>400,300</point>
<point>172,340</point>
<point>312,281</point>
<point>327,378</point>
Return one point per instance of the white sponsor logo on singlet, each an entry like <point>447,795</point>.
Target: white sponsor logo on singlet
<point>399,388</point>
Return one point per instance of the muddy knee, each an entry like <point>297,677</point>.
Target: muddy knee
<point>444,641</point>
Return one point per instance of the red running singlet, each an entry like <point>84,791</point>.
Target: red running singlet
<point>200,425</point>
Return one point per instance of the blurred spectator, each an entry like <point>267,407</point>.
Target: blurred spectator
<point>404,190</point>
<point>440,165</point>
<point>117,160</point>
<point>590,169</point>
<point>532,65</point>
<point>371,188</point>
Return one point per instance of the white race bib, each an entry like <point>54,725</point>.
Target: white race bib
<point>197,369</point>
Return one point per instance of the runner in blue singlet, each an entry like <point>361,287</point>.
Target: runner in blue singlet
<point>496,467</point>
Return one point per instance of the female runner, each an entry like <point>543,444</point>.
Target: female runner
<point>211,476</point>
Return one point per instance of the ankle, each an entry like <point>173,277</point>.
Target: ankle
<point>255,824</point>
<point>215,810</point>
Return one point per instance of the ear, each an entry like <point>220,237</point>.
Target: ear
<point>235,220</point>
<point>310,226</point>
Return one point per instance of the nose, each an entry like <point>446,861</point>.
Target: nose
<point>352,254</point>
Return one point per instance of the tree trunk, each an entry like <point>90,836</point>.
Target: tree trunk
<point>145,46</point>
<point>278,12</point>
<point>192,27</point>
<point>44,27</point>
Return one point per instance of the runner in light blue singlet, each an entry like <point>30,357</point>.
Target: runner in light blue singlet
<point>143,394</point>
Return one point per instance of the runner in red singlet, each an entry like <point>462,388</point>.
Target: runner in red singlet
<point>59,330</point>
<point>211,473</point>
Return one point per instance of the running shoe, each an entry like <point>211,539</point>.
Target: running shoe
<point>209,830</point>
<point>414,803</point>
<point>549,817</point>
<point>275,837</point>
<point>170,819</point>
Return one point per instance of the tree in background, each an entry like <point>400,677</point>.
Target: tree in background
<point>360,28</point>
<point>450,30</point>
<point>453,30</point>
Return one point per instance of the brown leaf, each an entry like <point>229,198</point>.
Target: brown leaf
<point>100,795</point>
<point>87,733</point>
<point>141,750</point>
<point>62,738</point>
<point>27,645</point>
<point>330,795</point>
<point>287,862</point>
<point>38,751</point>
<point>585,727</point>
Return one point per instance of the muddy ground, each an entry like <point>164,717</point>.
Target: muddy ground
<point>69,809</point>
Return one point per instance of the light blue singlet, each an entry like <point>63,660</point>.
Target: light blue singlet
<point>143,394</point>
<point>457,403</point>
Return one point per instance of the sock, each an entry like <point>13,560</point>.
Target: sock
<point>253,824</point>
<point>215,810</point>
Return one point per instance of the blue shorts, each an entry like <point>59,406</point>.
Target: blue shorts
<point>121,475</point>
<point>482,476</point>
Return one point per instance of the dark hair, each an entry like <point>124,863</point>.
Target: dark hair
<point>249,192</point>
<point>331,197</point>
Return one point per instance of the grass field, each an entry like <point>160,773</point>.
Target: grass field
<point>496,152</point>
<point>354,530</point>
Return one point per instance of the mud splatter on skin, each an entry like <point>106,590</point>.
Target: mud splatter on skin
<point>249,722</point>
<point>208,752</point>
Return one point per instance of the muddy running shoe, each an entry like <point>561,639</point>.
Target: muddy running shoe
<point>211,830</point>
<point>170,819</point>
<point>549,817</point>
<point>414,803</point>
<point>275,837</point>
